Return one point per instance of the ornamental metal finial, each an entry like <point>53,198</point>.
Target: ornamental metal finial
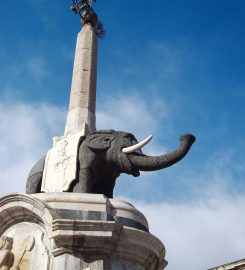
<point>88,16</point>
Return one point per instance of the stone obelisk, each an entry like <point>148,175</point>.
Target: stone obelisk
<point>81,113</point>
<point>61,160</point>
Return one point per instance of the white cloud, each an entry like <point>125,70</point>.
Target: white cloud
<point>133,114</point>
<point>127,112</point>
<point>26,133</point>
<point>199,235</point>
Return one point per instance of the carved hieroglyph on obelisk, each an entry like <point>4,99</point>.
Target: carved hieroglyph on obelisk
<point>61,161</point>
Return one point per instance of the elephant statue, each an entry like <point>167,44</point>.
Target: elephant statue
<point>103,155</point>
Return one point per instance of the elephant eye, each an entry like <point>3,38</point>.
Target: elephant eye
<point>106,140</point>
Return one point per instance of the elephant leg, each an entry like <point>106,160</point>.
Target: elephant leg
<point>106,190</point>
<point>83,183</point>
<point>34,180</point>
<point>34,184</point>
<point>78,188</point>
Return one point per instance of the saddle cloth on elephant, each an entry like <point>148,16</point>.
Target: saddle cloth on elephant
<point>61,163</point>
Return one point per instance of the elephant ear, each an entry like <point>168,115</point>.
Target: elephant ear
<point>100,141</point>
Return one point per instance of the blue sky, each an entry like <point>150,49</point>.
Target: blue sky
<point>165,68</point>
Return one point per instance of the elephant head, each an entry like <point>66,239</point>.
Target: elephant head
<point>104,155</point>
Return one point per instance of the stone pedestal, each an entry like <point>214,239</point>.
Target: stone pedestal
<point>64,231</point>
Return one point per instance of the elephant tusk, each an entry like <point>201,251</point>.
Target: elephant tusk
<point>133,148</point>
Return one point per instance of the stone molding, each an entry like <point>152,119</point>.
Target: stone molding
<point>124,212</point>
<point>237,265</point>
<point>61,219</point>
<point>107,238</point>
<point>16,208</point>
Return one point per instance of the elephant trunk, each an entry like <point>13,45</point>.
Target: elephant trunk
<point>149,163</point>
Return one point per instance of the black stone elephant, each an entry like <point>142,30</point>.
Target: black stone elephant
<point>104,155</point>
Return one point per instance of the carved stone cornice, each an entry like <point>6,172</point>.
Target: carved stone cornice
<point>76,225</point>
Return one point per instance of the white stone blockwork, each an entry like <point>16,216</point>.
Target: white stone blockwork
<point>63,231</point>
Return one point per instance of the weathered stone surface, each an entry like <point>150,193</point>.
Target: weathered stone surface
<point>30,247</point>
<point>61,163</point>
<point>75,206</point>
<point>83,88</point>
<point>6,255</point>
<point>22,219</point>
<point>46,235</point>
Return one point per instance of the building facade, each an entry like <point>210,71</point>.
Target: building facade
<point>237,265</point>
